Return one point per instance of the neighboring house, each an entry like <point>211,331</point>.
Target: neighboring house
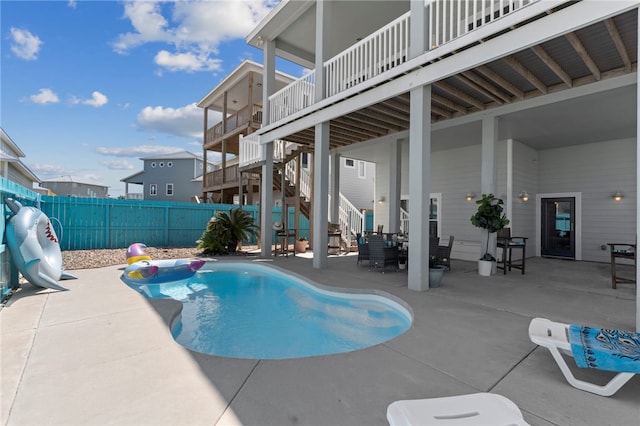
<point>70,187</point>
<point>505,97</point>
<point>169,177</point>
<point>11,165</point>
<point>239,98</point>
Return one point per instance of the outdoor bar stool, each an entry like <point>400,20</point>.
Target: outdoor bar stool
<point>508,243</point>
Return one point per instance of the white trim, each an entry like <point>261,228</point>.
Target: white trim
<point>578,219</point>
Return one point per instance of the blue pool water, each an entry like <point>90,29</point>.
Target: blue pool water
<point>251,310</point>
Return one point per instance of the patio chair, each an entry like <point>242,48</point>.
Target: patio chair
<point>382,255</point>
<point>363,249</point>
<point>508,243</point>
<point>444,254</point>
<point>621,251</point>
<point>468,410</point>
<point>598,348</point>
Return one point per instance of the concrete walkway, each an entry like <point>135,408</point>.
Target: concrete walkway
<point>101,354</point>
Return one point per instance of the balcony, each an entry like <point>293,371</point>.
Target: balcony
<point>387,49</point>
<point>236,124</point>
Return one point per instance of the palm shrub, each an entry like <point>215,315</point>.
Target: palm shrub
<point>225,230</point>
<point>489,217</point>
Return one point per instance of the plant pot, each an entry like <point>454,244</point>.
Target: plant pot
<point>402,265</point>
<point>435,276</point>
<point>301,246</point>
<point>485,267</point>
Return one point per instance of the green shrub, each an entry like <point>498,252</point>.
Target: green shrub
<point>225,230</point>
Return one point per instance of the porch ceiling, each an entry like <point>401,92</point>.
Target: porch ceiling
<point>595,53</point>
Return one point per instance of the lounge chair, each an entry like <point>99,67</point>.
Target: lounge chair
<point>467,410</point>
<point>602,349</point>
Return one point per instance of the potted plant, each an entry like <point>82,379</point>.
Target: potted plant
<point>301,245</point>
<point>490,218</point>
<point>436,271</point>
<point>402,260</point>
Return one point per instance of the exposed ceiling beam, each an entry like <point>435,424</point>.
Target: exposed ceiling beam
<point>477,87</point>
<point>487,85</point>
<point>526,73</point>
<point>617,40</point>
<point>496,78</point>
<point>553,65</point>
<point>459,94</point>
<point>584,55</point>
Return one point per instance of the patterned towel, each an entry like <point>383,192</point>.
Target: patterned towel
<point>604,349</point>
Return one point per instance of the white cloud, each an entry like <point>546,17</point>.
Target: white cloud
<point>186,62</point>
<point>97,100</point>
<point>72,4</point>
<point>48,171</point>
<point>137,151</point>
<point>185,121</point>
<point>118,165</point>
<point>45,96</point>
<point>24,44</point>
<point>195,29</point>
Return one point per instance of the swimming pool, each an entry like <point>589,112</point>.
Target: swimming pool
<point>255,311</point>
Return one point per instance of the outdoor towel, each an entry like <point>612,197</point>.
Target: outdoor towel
<point>604,349</point>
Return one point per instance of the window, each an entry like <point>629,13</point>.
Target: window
<point>153,165</point>
<point>362,169</point>
<point>153,189</point>
<point>161,164</point>
<point>348,162</point>
<point>169,163</point>
<point>305,160</point>
<point>169,189</point>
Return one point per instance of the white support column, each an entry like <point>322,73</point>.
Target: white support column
<point>395,177</point>
<point>266,182</point>
<point>334,188</point>
<point>320,199</point>
<point>419,186</point>
<point>266,201</point>
<point>321,147</point>
<point>268,79</point>
<point>508,203</point>
<point>488,173</point>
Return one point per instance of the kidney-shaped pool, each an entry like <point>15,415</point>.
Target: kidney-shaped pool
<point>257,311</point>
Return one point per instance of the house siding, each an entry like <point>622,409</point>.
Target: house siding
<point>596,171</point>
<point>357,190</point>
<point>180,174</point>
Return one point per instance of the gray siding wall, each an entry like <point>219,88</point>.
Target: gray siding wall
<point>596,170</point>
<point>180,174</point>
<point>359,191</point>
<point>525,178</point>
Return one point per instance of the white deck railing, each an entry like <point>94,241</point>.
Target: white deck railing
<point>388,48</point>
<point>250,151</point>
<point>293,98</point>
<point>373,55</point>
<point>352,220</point>
<point>404,221</point>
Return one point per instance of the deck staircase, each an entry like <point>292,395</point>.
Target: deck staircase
<point>351,221</point>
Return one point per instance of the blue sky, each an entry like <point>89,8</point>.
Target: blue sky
<point>89,87</point>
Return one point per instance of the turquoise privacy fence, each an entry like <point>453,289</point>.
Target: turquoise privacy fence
<point>104,223</point>
<point>8,271</point>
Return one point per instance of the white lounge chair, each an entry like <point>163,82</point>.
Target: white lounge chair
<point>602,349</point>
<point>463,410</point>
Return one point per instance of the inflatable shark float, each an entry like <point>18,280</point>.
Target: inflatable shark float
<point>34,246</point>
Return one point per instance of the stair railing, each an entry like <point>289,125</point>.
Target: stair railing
<point>404,221</point>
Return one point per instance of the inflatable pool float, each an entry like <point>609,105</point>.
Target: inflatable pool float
<point>34,247</point>
<point>160,271</point>
<point>136,253</point>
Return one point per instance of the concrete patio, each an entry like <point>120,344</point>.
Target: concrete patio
<point>102,354</point>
